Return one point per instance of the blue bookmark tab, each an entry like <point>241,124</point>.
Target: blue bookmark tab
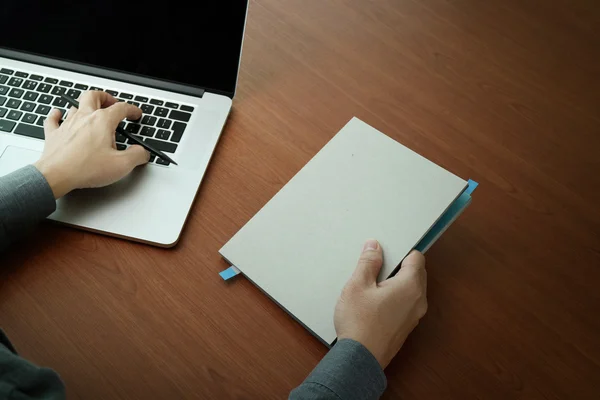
<point>472,186</point>
<point>229,273</point>
<point>455,209</point>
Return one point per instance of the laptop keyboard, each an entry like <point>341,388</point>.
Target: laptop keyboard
<point>26,99</point>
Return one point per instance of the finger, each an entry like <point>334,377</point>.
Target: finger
<point>414,262</point>
<point>132,157</point>
<point>94,100</point>
<point>52,121</point>
<point>118,112</point>
<point>71,113</point>
<point>369,264</point>
<point>411,269</point>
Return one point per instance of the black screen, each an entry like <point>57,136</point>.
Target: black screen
<point>195,43</point>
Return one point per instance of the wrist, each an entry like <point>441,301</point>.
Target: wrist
<point>376,350</point>
<point>57,179</point>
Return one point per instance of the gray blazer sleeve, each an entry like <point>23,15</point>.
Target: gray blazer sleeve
<point>25,199</point>
<point>348,372</point>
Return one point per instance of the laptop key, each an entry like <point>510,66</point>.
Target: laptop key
<point>59,102</point>
<point>96,88</point>
<point>163,134</point>
<point>7,71</point>
<point>133,128</point>
<point>21,74</point>
<point>187,108</point>
<point>161,112</point>
<point>4,89</point>
<point>129,141</point>
<point>164,123</point>
<point>180,116</point>
<point>3,112</point>
<point>121,146</point>
<point>141,99</point>
<point>58,90</point>
<point>148,120</point>
<point>28,106</point>
<point>152,158</point>
<point>17,93</point>
<point>172,105</point>
<point>40,121</point>
<point>30,85</point>
<point>15,115</point>
<point>126,96</point>
<point>178,128</point>
<point>135,103</point>
<point>3,78</point>
<point>6,126</point>
<point>2,100</point>
<point>167,147</point>
<point>44,88</point>
<point>81,87</point>
<point>51,80</point>
<point>73,93</point>
<point>30,130</point>
<point>147,108</point>
<point>112,92</point>
<point>45,99</point>
<point>16,82</point>
<point>162,162</point>
<point>147,131</point>
<point>119,138</point>
<point>30,118</point>
<point>31,96</point>
<point>66,83</point>
<point>157,102</point>
<point>122,124</point>
<point>13,103</point>
<point>36,77</point>
<point>42,109</point>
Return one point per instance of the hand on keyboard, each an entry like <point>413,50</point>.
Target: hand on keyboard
<point>81,153</point>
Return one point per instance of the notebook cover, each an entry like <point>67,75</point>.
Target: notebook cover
<point>302,246</point>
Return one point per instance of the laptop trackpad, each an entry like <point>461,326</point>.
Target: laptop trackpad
<point>14,158</point>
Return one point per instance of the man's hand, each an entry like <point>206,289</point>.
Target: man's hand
<point>81,153</point>
<point>381,316</point>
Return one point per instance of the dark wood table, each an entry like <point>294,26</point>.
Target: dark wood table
<point>504,92</point>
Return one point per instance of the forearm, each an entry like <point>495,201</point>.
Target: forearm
<point>25,199</point>
<point>349,371</point>
<point>20,379</point>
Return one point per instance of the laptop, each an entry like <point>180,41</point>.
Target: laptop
<point>177,61</point>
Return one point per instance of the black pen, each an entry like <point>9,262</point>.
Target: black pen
<point>158,153</point>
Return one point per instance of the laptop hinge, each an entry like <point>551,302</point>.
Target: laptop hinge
<point>103,73</point>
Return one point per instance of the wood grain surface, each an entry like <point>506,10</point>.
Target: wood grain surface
<point>504,92</point>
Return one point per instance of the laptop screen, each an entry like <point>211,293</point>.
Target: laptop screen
<point>190,43</point>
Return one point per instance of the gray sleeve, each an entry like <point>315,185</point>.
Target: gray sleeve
<point>348,372</point>
<point>22,380</point>
<point>25,199</point>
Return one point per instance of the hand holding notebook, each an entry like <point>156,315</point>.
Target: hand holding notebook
<point>381,316</point>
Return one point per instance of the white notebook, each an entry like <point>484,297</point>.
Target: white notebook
<point>303,245</point>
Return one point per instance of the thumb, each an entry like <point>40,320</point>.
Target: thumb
<point>134,155</point>
<point>369,264</point>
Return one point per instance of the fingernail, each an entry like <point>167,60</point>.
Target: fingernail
<point>371,244</point>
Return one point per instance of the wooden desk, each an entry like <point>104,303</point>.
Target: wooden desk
<point>505,92</point>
